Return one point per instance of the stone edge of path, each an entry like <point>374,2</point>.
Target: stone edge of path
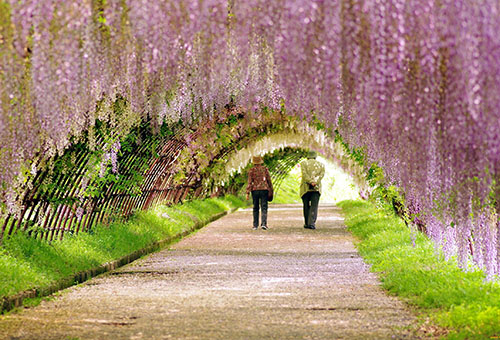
<point>10,302</point>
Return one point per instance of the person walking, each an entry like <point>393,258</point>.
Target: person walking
<point>310,188</point>
<point>261,187</point>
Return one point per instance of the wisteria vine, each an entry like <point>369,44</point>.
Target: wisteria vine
<point>413,83</point>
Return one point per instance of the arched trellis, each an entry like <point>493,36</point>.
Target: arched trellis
<point>305,137</point>
<point>53,203</point>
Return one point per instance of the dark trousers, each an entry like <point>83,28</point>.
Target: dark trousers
<point>259,198</point>
<point>310,202</point>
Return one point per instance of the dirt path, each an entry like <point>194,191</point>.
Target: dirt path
<point>230,282</point>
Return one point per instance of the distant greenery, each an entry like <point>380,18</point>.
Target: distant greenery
<point>288,191</point>
<point>27,263</point>
<point>336,185</point>
<point>462,302</point>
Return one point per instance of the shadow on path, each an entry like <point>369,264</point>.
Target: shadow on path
<point>228,281</point>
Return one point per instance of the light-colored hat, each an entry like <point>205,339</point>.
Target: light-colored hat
<point>312,154</point>
<point>257,160</point>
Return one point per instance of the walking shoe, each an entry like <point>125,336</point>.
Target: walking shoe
<point>309,227</point>
<point>255,228</point>
<point>264,227</point>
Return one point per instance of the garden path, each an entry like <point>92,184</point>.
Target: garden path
<point>228,281</point>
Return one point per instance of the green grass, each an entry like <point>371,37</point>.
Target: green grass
<point>27,263</point>
<point>462,302</point>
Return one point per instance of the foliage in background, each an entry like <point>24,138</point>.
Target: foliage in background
<point>409,266</point>
<point>288,191</point>
<point>27,263</point>
<point>336,185</point>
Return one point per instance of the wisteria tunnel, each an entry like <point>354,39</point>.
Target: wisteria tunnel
<point>109,107</point>
<point>164,167</point>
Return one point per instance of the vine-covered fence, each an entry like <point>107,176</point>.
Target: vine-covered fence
<point>67,197</point>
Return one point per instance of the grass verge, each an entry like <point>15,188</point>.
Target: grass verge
<point>27,263</point>
<point>463,303</point>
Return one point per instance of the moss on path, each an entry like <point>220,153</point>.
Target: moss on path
<point>228,281</point>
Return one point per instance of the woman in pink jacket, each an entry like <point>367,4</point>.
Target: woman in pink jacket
<point>261,187</point>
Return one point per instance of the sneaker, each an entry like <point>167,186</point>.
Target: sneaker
<point>264,227</point>
<point>255,228</point>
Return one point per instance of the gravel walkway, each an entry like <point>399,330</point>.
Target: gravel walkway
<point>228,281</point>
